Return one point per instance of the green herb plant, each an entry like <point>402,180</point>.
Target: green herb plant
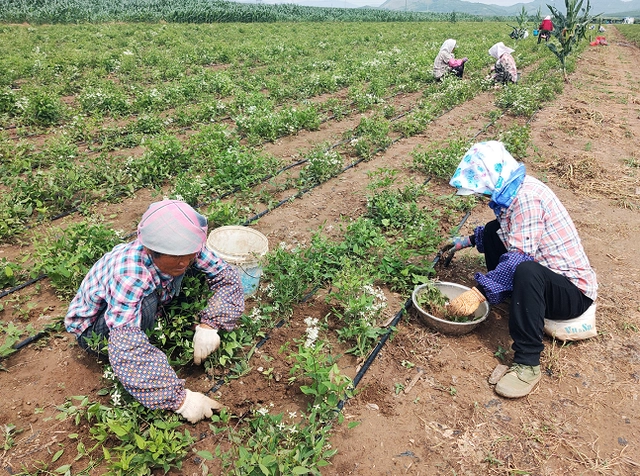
<point>434,302</point>
<point>131,438</point>
<point>359,305</point>
<point>67,255</point>
<point>440,161</point>
<point>319,375</point>
<point>275,444</point>
<point>322,164</point>
<point>9,432</point>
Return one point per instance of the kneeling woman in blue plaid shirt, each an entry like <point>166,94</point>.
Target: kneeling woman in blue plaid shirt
<point>125,289</point>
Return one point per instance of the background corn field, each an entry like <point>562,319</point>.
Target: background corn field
<point>197,11</point>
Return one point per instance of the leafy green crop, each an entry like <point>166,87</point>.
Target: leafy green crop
<point>66,256</point>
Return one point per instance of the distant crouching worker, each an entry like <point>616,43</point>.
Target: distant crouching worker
<point>505,70</point>
<point>545,29</point>
<point>446,61</point>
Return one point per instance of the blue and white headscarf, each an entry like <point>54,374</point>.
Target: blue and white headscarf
<point>488,168</point>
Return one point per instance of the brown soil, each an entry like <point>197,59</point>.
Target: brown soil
<point>581,419</point>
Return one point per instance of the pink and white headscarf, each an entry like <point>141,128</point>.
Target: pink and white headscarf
<point>499,49</point>
<point>172,227</point>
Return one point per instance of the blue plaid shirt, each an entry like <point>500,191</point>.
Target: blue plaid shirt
<point>119,282</point>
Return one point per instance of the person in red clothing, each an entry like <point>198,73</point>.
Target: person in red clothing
<point>545,29</point>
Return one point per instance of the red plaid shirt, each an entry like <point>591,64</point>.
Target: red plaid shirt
<point>537,227</point>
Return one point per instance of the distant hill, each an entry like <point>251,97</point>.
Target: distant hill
<point>606,7</point>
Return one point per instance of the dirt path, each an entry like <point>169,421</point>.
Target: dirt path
<point>582,419</point>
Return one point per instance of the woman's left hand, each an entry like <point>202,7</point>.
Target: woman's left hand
<point>205,341</point>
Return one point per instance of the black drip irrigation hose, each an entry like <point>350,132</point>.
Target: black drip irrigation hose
<point>23,285</point>
<point>49,328</point>
<point>374,353</point>
<point>298,194</point>
<point>263,180</point>
<point>29,340</point>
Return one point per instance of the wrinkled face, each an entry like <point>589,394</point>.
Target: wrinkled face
<point>173,265</point>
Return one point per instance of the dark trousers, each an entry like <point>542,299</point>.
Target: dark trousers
<point>538,293</point>
<point>458,70</point>
<point>543,34</point>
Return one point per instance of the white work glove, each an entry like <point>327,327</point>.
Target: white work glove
<point>197,406</point>
<point>205,341</point>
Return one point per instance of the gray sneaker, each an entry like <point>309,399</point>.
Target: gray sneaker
<point>518,381</point>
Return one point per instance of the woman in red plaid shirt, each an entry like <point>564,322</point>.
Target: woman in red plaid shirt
<point>533,255</point>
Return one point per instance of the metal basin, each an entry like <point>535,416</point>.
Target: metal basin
<point>451,291</point>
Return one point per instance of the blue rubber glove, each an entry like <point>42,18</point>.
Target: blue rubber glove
<point>454,244</point>
<point>457,243</point>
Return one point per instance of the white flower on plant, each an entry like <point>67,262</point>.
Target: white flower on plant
<point>22,103</point>
<point>281,426</point>
<point>262,411</point>
<point>269,290</point>
<point>293,430</point>
<point>116,398</point>
<point>293,414</point>
<point>127,53</point>
<point>311,331</point>
<point>255,314</point>
<point>108,374</point>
